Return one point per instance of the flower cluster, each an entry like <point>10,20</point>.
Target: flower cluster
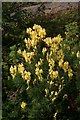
<point>65,66</point>
<point>51,56</point>
<point>21,68</point>
<point>39,71</point>
<point>23,105</point>
<point>26,75</point>
<point>27,56</point>
<point>36,34</point>
<point>44,50</point>
<point>13,70</point>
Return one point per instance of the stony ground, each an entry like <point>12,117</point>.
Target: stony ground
<point>50,7</point>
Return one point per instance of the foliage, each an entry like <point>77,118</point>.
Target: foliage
<point>29,95</point>
<point>43,73</point>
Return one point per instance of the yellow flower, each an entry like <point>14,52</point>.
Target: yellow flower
<point>19,51</point>
<point>21,68</point>
<point>33,43</point>
<point>57,39</point>
<point>28,43</point>
<point>55,74</point>
<point>51,83</point>
<point>60,54</point>
<point>36,27</point>
<point>27,75</point>
<point>52,92</point>
<point>13,71</point>
<point>39,63</point>
<point>25,40</point>
<point>39,72</point>
<point>48,41</point>
<point>28,56</point>
<point>70,74</point>
<point>60,63</point>
<point>23,105</point>
<point>51,62</point>
<point>46,91</point>
<point>65,66</point>
<point>56,93</point>
<point>44,50</point>
<point>42,33</point>
<point>33,35</point>
<point>53,99</point>
<point>78,54</point>
<point>66,33</point>
<point>24,53</point>
<point>29,30</point>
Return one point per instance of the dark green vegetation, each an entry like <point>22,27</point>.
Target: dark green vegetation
<point>14,91</point>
